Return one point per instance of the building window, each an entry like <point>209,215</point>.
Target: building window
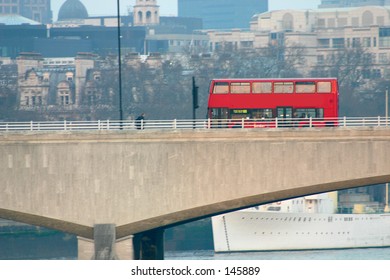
<point>355,42</point>
<point>321,23</point>
<point>331,23</point>
<point>367,18</point>
<point>376,73</point>
<point>338,43</point>
<point>320,59</point>
<point>65,100</point>
<point>323,43</point>
<point>382,58</point>
<point>341,22</point>
<point>355,21</point>
<point>246,44</point>
<point>288,22</point>
<point>380,21</point>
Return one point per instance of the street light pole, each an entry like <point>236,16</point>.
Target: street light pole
<point>387,105</point>
<point>119,64</point>
<point>387,210</point>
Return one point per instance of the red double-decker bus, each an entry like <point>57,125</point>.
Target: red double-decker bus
<point>269,102</point>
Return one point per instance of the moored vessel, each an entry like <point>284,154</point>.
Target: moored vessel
<point>309,222</point>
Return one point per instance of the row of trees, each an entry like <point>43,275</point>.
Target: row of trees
<point>164,90</point>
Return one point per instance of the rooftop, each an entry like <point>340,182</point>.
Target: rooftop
<point>16,20</point>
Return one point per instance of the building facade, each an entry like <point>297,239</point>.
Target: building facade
<point>222,14</point>
<point>352,3</point>
<point>321,33</point>
<point>39,11</point>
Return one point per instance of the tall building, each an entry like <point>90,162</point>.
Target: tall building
<point>352,3</point>
<point>39,11</point>
<point>222,14</point>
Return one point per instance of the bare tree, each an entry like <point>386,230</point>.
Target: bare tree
<point>347,64</point>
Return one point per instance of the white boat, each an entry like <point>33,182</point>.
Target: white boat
<point>303,223</point>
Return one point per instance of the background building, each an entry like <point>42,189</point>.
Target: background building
<point>146,13</point>
<point>352,3</point>
<point>39,11</point>
<point>18,34</point>
<point>322,33</point>
<point>222,14</point>
<point>72,9</point>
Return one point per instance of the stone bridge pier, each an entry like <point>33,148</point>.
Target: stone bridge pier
<point>147,245</point>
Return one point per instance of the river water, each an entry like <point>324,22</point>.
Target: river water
<point>344,254</point>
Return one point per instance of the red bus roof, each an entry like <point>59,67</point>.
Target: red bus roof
<point>273,79</point>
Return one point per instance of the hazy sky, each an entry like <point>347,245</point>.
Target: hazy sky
<point>169,7</point>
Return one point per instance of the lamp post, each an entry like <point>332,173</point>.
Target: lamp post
<point>387,105</point>
<point>119,65</point>
<point>386,210</point>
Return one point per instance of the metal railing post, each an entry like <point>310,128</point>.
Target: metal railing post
<point>31,126</point>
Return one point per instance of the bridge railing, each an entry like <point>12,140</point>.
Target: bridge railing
<point>195,124</point>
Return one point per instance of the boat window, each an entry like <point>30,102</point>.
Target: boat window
<point>240,88</point>
<point>221,87</point>
<point>262,87</point>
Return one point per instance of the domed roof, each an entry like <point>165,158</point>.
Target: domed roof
<point>72,9</point>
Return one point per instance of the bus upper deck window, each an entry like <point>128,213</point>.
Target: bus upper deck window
<point>305,87</point>
<point>262,87</point>
<point>283,87</point>
<point>240,87</point>
<point>324,87</point>
<point>221,87</point>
